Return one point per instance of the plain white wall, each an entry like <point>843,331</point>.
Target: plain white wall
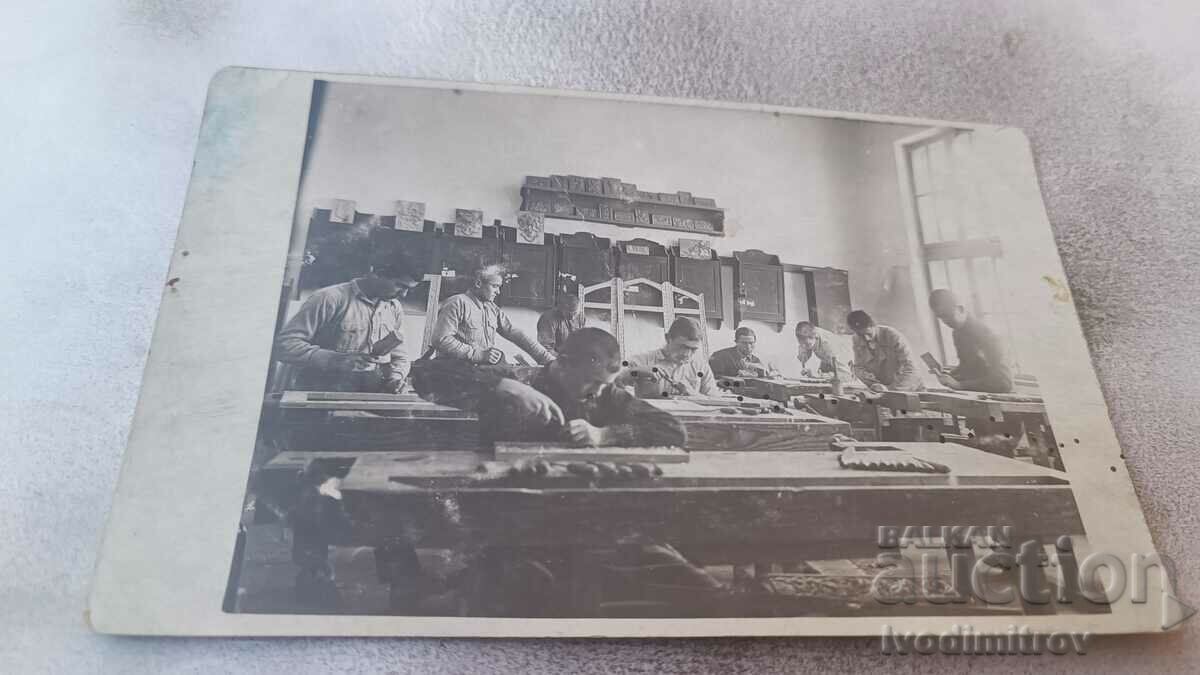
<point>818,192</point>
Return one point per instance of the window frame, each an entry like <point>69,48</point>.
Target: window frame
<point>980,244</point>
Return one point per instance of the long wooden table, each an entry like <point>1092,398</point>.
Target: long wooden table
<point>358,422</point>
<point>975,404</point>
<point>355,422</point>
<point>780,389</point>
<point>719,508</point>
<point>858,406</point>
<point>914,415</point>
<point>749,505</point>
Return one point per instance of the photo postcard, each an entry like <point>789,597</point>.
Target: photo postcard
<point>471,360</point>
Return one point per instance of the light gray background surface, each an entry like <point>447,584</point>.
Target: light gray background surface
<point>101,106</point>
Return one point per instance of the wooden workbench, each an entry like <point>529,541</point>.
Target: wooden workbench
<point>782,389</point>
<point>885,416</point>
<point>977,405</point>
<point>359,422</point>
<point>396,405</point>
<point>991,415</point>
<point>710,427</point>
<point>749,505</point>
<point>354,422</point>
<point>720,508</point>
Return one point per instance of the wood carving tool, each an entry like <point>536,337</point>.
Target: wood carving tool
<point>386,344</point>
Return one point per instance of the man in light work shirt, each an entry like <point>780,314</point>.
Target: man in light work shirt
<point>882,357</point>
<point>556,325</point>
<point>816,341</point>
<point>332,335</point>
<point>982,365</point>
<point>740,359</point>
<point>674,365</point>
<point>467,324</point>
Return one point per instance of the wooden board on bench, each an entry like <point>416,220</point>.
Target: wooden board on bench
<point>512,452</point>
<point>711,428</point>
<point>353,421</point>
<point>391,404</point>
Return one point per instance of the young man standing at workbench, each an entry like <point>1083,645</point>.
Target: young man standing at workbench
<point>468,323</point>
<point>882,357</point>
<point>350,336</point>
<point>982,365</point>
<point>815,341</point>
<point>674,365</point>
<point>336,341</point>
<point>740,359</point>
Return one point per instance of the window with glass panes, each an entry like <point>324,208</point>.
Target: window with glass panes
<point>957,230</point>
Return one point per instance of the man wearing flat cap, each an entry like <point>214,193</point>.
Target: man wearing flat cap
<point>675,365</point>
<point>740,359</point>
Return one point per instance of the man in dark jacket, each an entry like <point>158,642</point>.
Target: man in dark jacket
<point>982,365</point>
<point>740,359</point>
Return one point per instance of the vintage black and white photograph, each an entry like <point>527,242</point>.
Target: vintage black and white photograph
<point>583,358</point>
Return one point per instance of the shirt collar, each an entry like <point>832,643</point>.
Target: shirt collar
<point>477,301</point>
<point>661,356</point>
<point>357,291</point>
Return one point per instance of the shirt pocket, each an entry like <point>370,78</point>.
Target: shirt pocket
<point>471,330</point>
<point>351,337</point>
